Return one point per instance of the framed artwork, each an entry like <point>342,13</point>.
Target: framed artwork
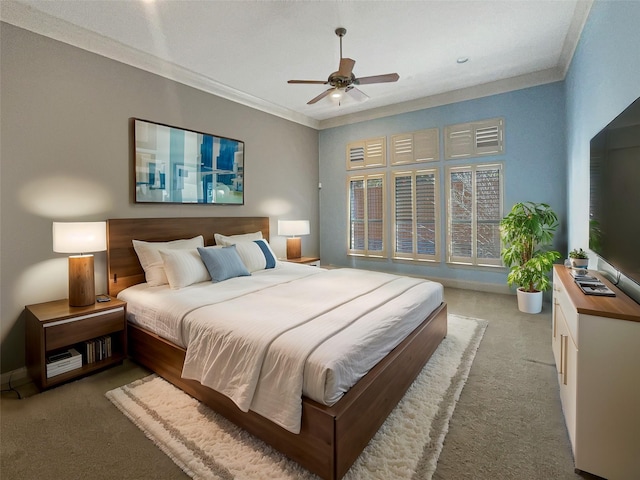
<point>174,165</point>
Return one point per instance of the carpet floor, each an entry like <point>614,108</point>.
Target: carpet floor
<point>206,446</point>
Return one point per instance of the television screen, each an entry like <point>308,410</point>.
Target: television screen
<point>614,210</point>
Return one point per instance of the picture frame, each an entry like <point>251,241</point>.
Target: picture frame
<point>176,165</point>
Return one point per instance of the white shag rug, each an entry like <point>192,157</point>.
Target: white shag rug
<point>407,446</point>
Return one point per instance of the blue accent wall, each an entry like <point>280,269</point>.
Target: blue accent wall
<point>534,169</point>
<point>603,79</point>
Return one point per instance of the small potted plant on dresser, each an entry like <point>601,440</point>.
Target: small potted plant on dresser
<point>579,258</point>
<point>525,233</point>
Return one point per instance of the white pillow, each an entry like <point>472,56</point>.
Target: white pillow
<point>151,260</point>
<point>226,241</point>
<point>256,255</point>
<point>184,267</point>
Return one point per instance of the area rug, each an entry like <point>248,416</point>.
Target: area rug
<point>407,446</point>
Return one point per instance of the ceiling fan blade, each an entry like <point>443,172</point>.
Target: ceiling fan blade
<point>356,93</point>
<point>321,96</point>
<point>389,77</point>
<point>346,67</point>
<point>319,82</point>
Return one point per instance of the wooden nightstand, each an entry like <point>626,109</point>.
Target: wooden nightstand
<point>98,332</point>
<point>315,261</point>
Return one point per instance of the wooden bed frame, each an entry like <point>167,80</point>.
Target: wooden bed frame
<point>331,438</point>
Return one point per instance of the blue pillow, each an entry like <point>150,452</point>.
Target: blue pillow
<point>223,263</point>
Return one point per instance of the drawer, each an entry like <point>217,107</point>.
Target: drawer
<point>64,333</point>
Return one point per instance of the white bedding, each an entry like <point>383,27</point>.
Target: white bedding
<point>267,339</point>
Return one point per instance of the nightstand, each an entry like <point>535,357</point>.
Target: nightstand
<point>97,332</point>
<point>315,261</point>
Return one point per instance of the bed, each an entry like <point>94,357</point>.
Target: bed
<point>329,438</point>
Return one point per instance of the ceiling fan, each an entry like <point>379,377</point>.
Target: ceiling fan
<point>344,80</point>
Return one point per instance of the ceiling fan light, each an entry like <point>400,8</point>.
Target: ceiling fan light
<point>336,94</point>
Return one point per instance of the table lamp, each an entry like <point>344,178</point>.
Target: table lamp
<point>293,229</point>
<point>80,238</point>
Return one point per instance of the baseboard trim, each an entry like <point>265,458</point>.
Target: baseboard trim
<point>477,286</point>
<point>16,377</point>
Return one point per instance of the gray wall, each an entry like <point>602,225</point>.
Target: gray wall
<point>65,157</point>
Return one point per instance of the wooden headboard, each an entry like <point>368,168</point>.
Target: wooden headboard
<point>123,267</point>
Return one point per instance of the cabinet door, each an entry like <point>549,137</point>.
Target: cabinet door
<point>567,373</point>
<point>555,337</point>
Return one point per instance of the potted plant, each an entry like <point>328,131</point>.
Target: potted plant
<point>579,258</point>
<point>526,232</point>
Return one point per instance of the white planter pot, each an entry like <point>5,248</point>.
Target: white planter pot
<point>529,302</point>
<point>580,262</point>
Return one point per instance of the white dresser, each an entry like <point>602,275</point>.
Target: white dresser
<point>596,345</point>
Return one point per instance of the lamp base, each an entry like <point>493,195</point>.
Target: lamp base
<point>82,286</point>
<point>294,249</point>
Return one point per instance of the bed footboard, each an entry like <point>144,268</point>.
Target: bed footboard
<point>331,438</point>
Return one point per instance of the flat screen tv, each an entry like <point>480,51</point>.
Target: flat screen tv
<point>614,207</point>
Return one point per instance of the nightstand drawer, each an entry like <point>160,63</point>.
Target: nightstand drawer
<point>74,330</point>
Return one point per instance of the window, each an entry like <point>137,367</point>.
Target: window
<point>422,146</point>
<point>416,215</point>
<point>474,207</point>
<point>367,153</point>
<point>366,215</point>
<point>474,139</point>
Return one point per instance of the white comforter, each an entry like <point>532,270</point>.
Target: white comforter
<point>252,340</point>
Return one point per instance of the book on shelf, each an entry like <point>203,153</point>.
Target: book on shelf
<point>97,349</point>
<point>62,362</point>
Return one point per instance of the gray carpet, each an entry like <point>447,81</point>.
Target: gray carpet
<point>207,446</point>
<point>508,423</point>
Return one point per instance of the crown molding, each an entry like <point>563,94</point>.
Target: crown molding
<point>41,23</point>
<point>38,22</point>
<point>578,21</point>
<point>471,93</point>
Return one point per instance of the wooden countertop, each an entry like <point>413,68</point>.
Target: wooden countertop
<point>621,306</point>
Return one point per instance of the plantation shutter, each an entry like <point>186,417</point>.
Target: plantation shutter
<point>401,148</point>
<point>356,216</point>
<point>474,139</point>
<point>474,194</point>
<point>403,215</point>
<point>489,214</point>
<point>375,215</point>
<point>460,215</point>
<point>421,146</point>
<point>427,216</point>
<point>488,137</point>
<point>416,215</point>
<point>367,153</point>
<point>458,141</point>
<point>355,155</point>
<point>366,215</point>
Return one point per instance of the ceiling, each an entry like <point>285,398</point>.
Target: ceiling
<point>247,50</point>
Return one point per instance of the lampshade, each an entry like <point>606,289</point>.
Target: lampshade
<point>293,227</point>
<point>347,96</point>
<point>79,237</point>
